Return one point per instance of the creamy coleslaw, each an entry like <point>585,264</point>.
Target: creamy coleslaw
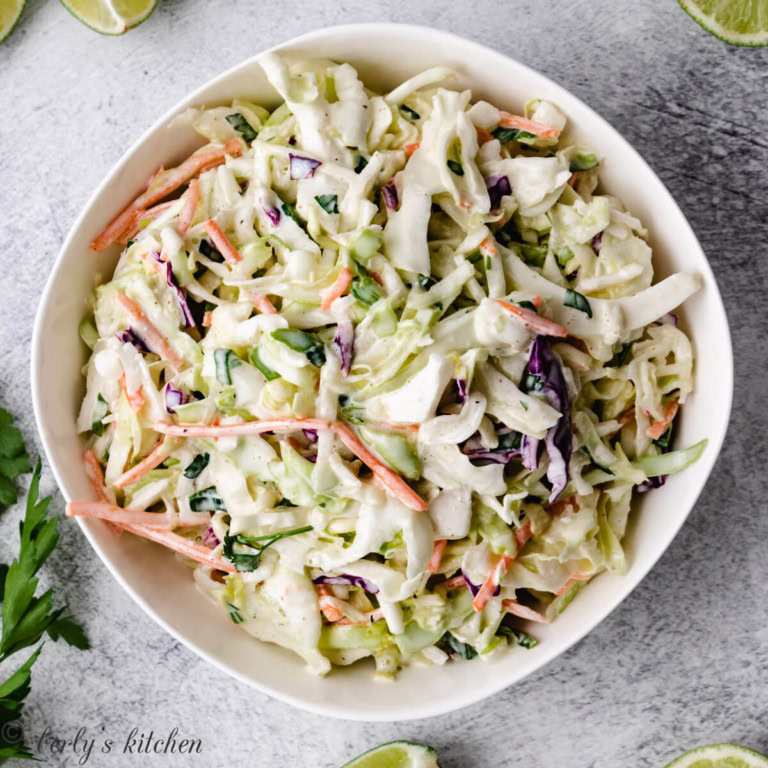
<point>387,372</point>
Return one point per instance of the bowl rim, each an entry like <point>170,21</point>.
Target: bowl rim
<point>629,582</point>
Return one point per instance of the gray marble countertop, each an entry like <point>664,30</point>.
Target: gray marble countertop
<point>684,660</point>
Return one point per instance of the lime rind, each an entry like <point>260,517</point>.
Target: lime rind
<point>710,24</point>
<point>110,21</point>
<point>391,754</point>
<point>720,756</point>
<point>14,20</point>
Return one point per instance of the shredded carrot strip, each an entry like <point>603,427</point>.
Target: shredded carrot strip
<point>522,534</point>
<point>370,617</point>
<point>207,319</point>
<point>244,428</point>
<point>400,427</point>
<point>494,578</point>
<point>158,455</point>
<point>95,475</point>
<point>135,399</point>
<point>329,610</point>
<point>576,577</point>
<point>573,179</point>
<point>263,304</point>
<point>487,247</point>
<point>513,607</point>
<point>155,340</point>
<point>626,417</point>
<point>182,545</point>
<point>536,301</point>
<point>339,288</point>
<point>437,556</point>
<point>531,126</point>
<point>104,510</point>
<point>389,478</point>
<point>190,206</point>
<point>411,148</point>
<point>162,184</point>
<point>153,263</point>
<point>483,136</point>
<point>221,241</point>
<point>453,583</point>
<point>658,428</point>
<point>533,321</point>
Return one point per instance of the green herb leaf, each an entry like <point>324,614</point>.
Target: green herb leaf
<point>267,372</point>
<point>366,290</point>
<point>298,341</point>
<point>290,211</point>
<point>524,405</point>
<point>408,112</point>
<point>316,356</point>
<point>510,440</point>
<point>225,360</point>
<point>329,203</point>
<point>70,631</point>
<point>577,301</point>
<point>505,135</point>
<point>250,560</point>
<point>456,167</point>
<point>525,304</point>
<point>663,441</point>
<point>464,650</point>
<point>197,465</point>
<point>583,162</point>
<point>474,257</point>
<point>207,500</point>
<point>426,281</point>
<point>99,413</point>
<point>242,126</point>
<point>234,613</point>
<point>512,635</point>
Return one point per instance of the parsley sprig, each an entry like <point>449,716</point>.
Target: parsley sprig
<point>26,617</point>
<point>251,559</point>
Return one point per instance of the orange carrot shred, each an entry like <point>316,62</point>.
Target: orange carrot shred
<point>437,556</point>
<point>158,455</point>
<point>658,428</point>
<point>533,321</point>
<point>339,288</point>
<point>221,241</point>
<point>190,206</point>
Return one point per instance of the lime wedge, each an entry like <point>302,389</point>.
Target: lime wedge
<point>396,754</point>
<point>10,10</point>
<point>739,22</point>
<point>720,756</point>
<point>110,17</point>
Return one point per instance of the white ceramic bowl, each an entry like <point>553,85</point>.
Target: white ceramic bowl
<point>384,55</point>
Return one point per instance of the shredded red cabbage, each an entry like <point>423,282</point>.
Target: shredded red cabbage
<point>302,167</point>
<point>273,214</point>
<point>498,187</point>
<point>389,193</point>
<point>597,241</point>
<point>530,452</point>
<point>344,344</point>
<point>544,375</point>
<point>210,539</point>
<point>348,580</point>
<point>310,434</point>
<point>181,297</point>
<point>474,589</point>
<point>461,385</point>
<point>175,397</point>
<point>129,336</point>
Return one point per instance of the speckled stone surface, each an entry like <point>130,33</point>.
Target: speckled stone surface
<point>684,660</point>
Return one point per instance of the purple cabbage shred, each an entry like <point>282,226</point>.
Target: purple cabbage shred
<point>544,374</point>
<point>310,434</point>
<point>348,580</point>
<point>461,385</point>
<point>273,214</point>
<point>389,192</point>
<point>474,588</point>
<point>181,298</point>
<point>129,336</point>
<point>498,187</point>
<point>210,540</point>
<point>175,397</point>
<point>597,242</point>
<point>302,167</point>
<point>344,343</point>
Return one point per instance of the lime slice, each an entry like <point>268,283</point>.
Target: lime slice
<point>739,22</point>
<point>110,17</point>
<point>396,754</point>
<point>10,10</point>
<point>720,756</point>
